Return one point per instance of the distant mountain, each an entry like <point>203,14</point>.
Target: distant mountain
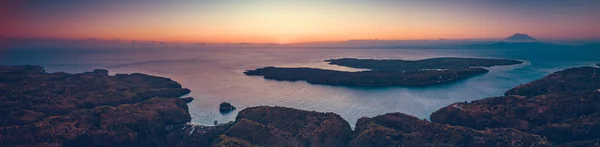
<point>520,37</point>
<point>518,45</point>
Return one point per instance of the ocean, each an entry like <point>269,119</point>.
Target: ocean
<point>215,75</point>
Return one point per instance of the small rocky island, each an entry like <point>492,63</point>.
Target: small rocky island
<point>384,73</point>
<point>226,107</point>
<point>95,109</point>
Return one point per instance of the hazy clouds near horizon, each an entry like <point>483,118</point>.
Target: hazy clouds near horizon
<point>265,21</point>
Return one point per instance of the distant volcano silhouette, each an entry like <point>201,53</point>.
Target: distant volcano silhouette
<point>520,37</point>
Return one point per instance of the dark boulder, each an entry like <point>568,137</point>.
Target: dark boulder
<point>187,99</point>
<point>90,109</point>
<point>226,107</point>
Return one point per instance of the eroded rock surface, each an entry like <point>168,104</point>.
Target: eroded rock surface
<point>397,129</point>
<point>89,109</point>
<point>562,106</point>
<point>379,78</point>
<point>280,126</point>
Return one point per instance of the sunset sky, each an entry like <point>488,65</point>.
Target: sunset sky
<point>279,21</point>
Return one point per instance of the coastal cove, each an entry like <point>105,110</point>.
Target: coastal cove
<point>95,109</point>
<point>216,75</point>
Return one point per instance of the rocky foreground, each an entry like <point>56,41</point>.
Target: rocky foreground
<point>562,107</point>
<point>94,109</point>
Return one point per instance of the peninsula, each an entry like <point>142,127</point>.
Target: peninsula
<point>375,78</point>
<point>384,73</point>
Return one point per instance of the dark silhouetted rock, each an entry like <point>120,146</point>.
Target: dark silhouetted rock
<point>520,37</point>
<point>378,78</point>
<point>226,107</point>
<point>562,106</point>
<point>279,126</point>
<point>397,129</point>
<point>187,99</point>
<point>424,64</point>
<point>94,109</point>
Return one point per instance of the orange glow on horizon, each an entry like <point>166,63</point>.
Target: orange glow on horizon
<point>285,22</point>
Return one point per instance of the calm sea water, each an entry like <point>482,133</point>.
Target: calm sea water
<point>215,76</point>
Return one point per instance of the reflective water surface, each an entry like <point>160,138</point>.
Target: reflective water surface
<point>215,76</point>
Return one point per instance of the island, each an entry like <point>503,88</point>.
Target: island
<point>376,78</point>
<point>385,73</point>
<point>97,109</point>
<point>226,107</point>
<point>94,109</point>
<point>424,64</point>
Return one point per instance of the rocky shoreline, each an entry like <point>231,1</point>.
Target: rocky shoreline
<point>89,109</point>
<point>562,107</point>
<point>95,109</point>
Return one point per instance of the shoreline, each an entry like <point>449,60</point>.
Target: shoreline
<point>179,131</point>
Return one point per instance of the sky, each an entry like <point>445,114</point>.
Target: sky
<point>293,21</point>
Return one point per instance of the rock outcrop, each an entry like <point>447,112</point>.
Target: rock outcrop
<point>89,109</point>
<point>226,107</point>
<point>397,129</point>
<point>378,78</point>
<point>279,126</point>
<point>187,99</point>
<point>562,106</point>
